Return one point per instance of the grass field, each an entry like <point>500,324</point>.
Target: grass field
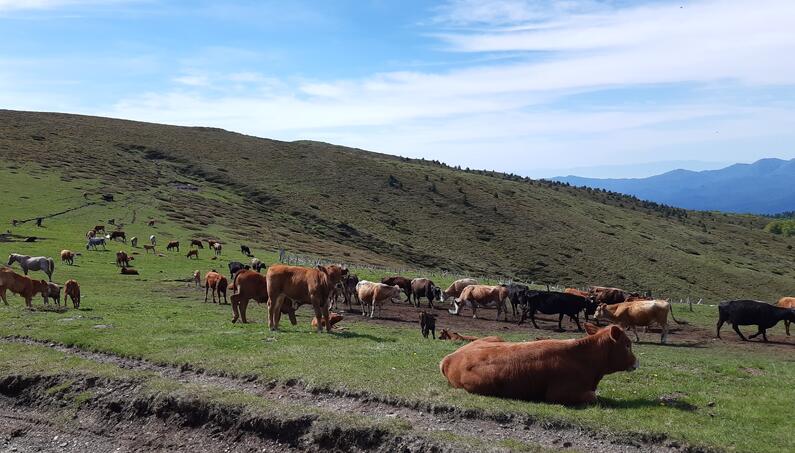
<point>728,395</point>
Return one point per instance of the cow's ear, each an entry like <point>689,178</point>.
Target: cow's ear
<point>615,332</point>
<point>590,328</point>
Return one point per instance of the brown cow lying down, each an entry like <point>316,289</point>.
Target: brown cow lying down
<point>553,371</point>
<point>482,295</point>
<point>639,313</point>
<point>128,271</point>
<point>303,285</point>
<point>376,294</point>
<point>447,335</point>
<point>333,319</point>
<point>22,285</point>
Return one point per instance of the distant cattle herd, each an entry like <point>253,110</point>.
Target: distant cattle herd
<point>544,370</point>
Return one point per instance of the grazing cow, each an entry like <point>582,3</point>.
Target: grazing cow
<point>22,285</point>
<point>401,282</point>
<point>197,278</point>
<point>553,371</point>
<point>481,295</point>
<point>211,242</point>
<point>303,285</point>
<point>128,271</point>
<point>257,265</point>
<point>235,267</point>
<point>148,247</point>
<point>98,228</point>
<point>375,294</point>
<point>752,312</point>
<point>422,287</point>
<point>248,285</point>
<point>172,245</point>
<point>217,283</point>
<point>217,248</point>
<point>245,250</point>
<point>334,318</point>
<point>72,291</point>
<point>151,223</point>
<point>54,292</point>
<point>192,253</point>
<point>33,263</point>
<point>134,241</point>
<point>349,292</point>
<point>786,302</point>
<point>610,296</point>
<point>122,259</point>
<point>455,288</point>
<point>555,303</point>
<point>454,336</point>
<point>93,243</point>
<point>68,257</point>
<point>196,243</point>
<point>153,240</point>
<point>638,313</point>
<point>91,234</point>
<point>515,294</point>
<point>115,235</point>
<point>428,324</point>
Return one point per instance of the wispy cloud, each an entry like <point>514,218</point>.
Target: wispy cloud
<point>21,5</point>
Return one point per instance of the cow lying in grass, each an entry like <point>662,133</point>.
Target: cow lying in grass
<point>750,313</point>
<point>128,271</point>
<point>334,318</point>
<point>642,313</point>
<point>22,285</point>
<point>454,336</point>
<point>553,371</point>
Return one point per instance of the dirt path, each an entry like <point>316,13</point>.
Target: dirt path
<point>423,417</point>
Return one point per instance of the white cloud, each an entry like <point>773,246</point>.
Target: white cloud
<point>21,5</point>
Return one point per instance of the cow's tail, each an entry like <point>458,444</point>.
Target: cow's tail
<point>51,262</point>
<point>672,314</point>
<point>234,283</point>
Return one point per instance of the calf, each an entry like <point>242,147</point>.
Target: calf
<point>128,271</point>
<point>376,294</point>
<point>72,291</point>
<point>217,283</point>
<point>172,245</point>
<point>553,371</point>
<point>245,250</point>
<point>334,318</point>
<point>196,243</point>
<point>349,292</point>
<point>91,234</point>
<point>98,228</point>
<point>786,302</point>
<point>197,278</point>
<point>428,324</point>
<point>192,254</point>
<point>68,257</point>
<point>217,248</point>
<point>482,295</point>
<point>148,247</point>
<point>257,265</point>
<point>54,292</point>
<point>401,282</point>
<point>454,336</point>
<point>422,287</point>
<point>150,223</point>
<point>122,259</point>
<point>639,313</point>
<point>555,303</point>
<point>22,285</point>
<point>752,312</point>
<point>457,287</point>
<point>235,267</point>
<point>303,285</point>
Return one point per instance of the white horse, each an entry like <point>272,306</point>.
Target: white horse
<point>33,263</point>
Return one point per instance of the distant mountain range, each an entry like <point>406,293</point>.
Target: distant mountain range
<point>766,186</point>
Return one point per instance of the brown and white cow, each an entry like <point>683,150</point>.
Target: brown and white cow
<point>372,294</point>
<point>552,371</point>
<point>302,285</point>
<point>54,293</point>
<point>638,313</point>
<point>482,295</point>
<point>402,282</point>
<point>786,302</point>
<point>68,257</point>
<point>122,259</point>
<point>455,288</point>
<point>217,283</point>
<point>23,286</point>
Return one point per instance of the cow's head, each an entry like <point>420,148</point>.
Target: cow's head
<point>334,272</point>
<point>444,335</point>
<point>395,297</point>
<point>619,356</point>
<point>602,313</point>
<point>436,292</point>
<point>41,286</point>
<point>11,258</point>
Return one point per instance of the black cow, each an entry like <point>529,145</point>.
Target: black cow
<point>752,312</point>
<point>349,292</point>
<point>235,267</point>
<point>422,287</point>
<point>428,324</point>
<point>515,295</point>
<point>555,303</point>
<point>245,250</point>
<point>402,282</point>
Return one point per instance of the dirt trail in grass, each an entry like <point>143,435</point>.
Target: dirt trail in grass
<point>424,418</point>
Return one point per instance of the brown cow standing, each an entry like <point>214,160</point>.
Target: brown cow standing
<point>401,282</point>
<point>247,285</point>
<point>482,295</point>
<point>610,296</point>
<point>54,293</point>
<point>23,285</point>
<point>553,371</point>
<point>172,245</point>
<point>118,235</point>
<point>423,287</point>
<point>148,247</point>
<point>638,313</point>
<point>303,285</point>
<point>786,302</point>
<point>196,243</point>
<point>217,283</point>
<point>68,257</point>
<point>192,253</point>
<point>72,291</point>
<point>122,259</point>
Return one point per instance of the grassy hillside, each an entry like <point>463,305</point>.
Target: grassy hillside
<point>362,207</point>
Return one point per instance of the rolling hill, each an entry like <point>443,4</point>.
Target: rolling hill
<point>762,187</point>
<point>362,207</point>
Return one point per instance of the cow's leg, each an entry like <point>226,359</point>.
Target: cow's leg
<point>319,315</point>
<point>717,329</point>
<point>235,312</point>
<point>226,301</point>
<point>764,335</point>
<point>576,319</point>
<point>786,327</point>
<point>243,308</point>
<point>664,336</point>
<point>737,329</point>
<point>533,318</point>
<point>475,309</point>
<point>560,322</point>
<point>3,295</point>
<point>561,394</point>
<point>324,310</point>
<point>433,332</point>
<point>430,302</point>
<point>372,308</point>
<point>206,290</point>
<point>637,337</point>
<point>277,311</point>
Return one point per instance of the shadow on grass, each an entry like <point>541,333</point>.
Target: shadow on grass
<point>349,334</point>
<point>696,344</point>
<point>641,403</point>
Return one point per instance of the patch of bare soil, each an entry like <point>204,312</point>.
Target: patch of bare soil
<point>118,403</point>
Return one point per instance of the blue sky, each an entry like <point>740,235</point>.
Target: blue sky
<point>540,88</point>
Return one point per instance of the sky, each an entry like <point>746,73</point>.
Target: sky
<point>539,88</point>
